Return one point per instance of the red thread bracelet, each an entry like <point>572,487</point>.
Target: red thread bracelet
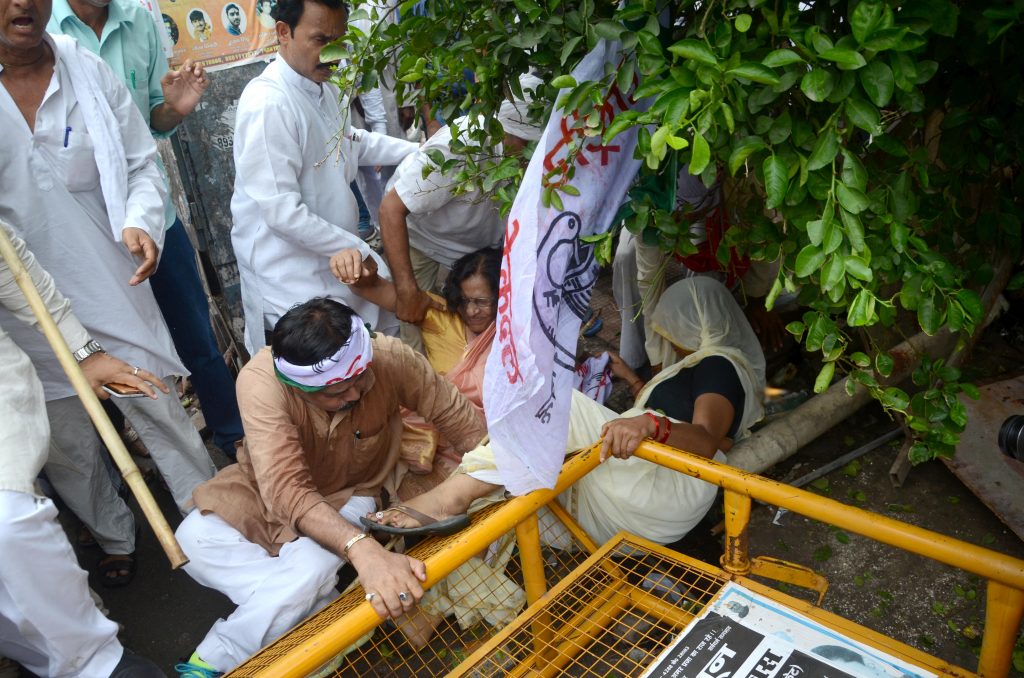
<point>657,426</point>
<point>668,430</point>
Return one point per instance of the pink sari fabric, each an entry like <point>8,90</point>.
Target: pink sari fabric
<point>423,447</point>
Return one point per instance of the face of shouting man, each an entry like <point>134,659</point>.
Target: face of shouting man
<point>318,27</point>
<point>22,24</point>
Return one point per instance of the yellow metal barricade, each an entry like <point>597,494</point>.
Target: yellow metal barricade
<point>609,609</point>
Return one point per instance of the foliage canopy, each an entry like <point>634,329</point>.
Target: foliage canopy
<point>873,145</point>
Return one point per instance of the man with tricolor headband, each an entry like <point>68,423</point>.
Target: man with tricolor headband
<point>321,412</point>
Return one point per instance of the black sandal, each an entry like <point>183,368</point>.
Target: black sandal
<point>429,526</point>
<point>116,570</point>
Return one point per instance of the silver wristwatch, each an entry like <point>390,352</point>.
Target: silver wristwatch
<point>92,346</point>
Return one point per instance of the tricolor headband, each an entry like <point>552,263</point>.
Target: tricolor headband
<point>351,360</point>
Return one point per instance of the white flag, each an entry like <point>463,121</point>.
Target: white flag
<point>594,377</point>
<point>547,275</point>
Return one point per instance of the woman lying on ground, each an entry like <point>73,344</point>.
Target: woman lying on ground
<point>709,392</point>
<point>457,336</point>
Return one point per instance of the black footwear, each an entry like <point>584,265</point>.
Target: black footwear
<point>136,666</point>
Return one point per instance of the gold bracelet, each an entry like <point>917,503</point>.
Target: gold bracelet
<point>351,542</point>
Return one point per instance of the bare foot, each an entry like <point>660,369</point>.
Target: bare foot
<point>418,627</point>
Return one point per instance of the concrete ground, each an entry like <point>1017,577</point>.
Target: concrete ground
<point>939,610</point>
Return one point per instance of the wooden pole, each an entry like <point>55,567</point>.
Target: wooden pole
<point>92,404</point>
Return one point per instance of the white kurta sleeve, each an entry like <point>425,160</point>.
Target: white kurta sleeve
<point>268,156</point>
<point>12,298</point>
<point>380,149</point>
<point>147,189</point>
<point>373,110</point>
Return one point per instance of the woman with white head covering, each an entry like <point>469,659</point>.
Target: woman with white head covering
<point>709,393</point>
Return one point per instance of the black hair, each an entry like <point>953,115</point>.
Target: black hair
<point>172,28</point>
<point>290,11</point>
<point>230,5</point>
<point>196,15</point>
<point>486,262</point>
<point>312,331</point>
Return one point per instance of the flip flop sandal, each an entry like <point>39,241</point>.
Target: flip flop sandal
<point>429,526</point>
<point>116,570</point>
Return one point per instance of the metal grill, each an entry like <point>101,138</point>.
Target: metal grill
<point>610,619</point>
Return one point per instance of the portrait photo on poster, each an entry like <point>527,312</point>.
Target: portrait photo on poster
<point>234,19</point>
<point>199,25</point>
<point>263,12</point>
<point>172,29</point>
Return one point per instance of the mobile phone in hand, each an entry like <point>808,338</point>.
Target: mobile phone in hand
<point>123,390</point>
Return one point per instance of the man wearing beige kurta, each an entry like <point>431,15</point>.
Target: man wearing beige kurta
<point>273,530</point>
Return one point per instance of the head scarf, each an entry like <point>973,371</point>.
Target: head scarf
<point>349,361</point>
<point>513,114</point>
<point>700,315</point>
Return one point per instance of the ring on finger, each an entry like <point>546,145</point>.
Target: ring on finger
<point>403,596</point>
<point>370,596</point>
<point>379,515</point>
<point>135,371</point>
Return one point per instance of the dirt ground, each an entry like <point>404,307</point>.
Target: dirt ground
<point>934,608</point>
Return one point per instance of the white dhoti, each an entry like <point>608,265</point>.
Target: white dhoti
<point>273,593</point>
<point>48,621</point>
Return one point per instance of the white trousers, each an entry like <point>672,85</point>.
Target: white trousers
<point>165,428</point>
<point>48,621</point>
<point>626,291</point>
<point>273,593</point>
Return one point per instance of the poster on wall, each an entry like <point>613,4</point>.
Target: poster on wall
<point>218,33</point>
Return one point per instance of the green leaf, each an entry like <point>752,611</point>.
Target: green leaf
<point>742,150</point>
<point>833,272</point>
<point>824,378</point>
<point>895,398</point>
<point>781,57</point>
<point>563,81</point>
<point>845,57</point>
<point>755,73</point>
<point>971,303</point>
<point>866,17</point>
<point>809,260</point>
<point>852,200</point>
<point>776,180</point>
<point>825,149</point>
<point>862,310</point>
<point>863,115</point>
<point>854,174</point>
<point>877,80</point>
<point>898,236</point>
<point>822,553</point>
<point>928,315</point>
<point>700,155</point>
<point>609,30</point>
<point>856,267</point>
<point>567,49</point>
<point>816,231</point>
<point>694,50</point>
<point>742,22</point>
<point>796,328</point>
<point>902,204</point>
<point>817,84</point>
<point>884,364</point>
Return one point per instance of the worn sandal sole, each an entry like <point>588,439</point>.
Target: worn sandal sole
<point>429,526</point>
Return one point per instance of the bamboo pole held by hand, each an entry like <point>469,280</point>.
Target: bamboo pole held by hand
<point>122,458</point>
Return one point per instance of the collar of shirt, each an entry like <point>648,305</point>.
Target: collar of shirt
<point>301,82</point>
<point>69,23</point>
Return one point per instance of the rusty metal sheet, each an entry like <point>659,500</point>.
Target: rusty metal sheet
<point>996,479</point>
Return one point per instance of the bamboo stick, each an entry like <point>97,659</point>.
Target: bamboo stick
<point>124,461</point>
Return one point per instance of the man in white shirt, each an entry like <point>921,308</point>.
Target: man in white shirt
<point>295,156</point>
<point>426,226</point>
<point>82,187</point>
<point>48,621</point>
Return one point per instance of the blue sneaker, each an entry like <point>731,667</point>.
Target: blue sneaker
<point>196,668</point>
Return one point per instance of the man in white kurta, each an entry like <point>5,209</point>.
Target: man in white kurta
<point>48,621</point>
<point>295,155</point>
<point>77,185</point>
